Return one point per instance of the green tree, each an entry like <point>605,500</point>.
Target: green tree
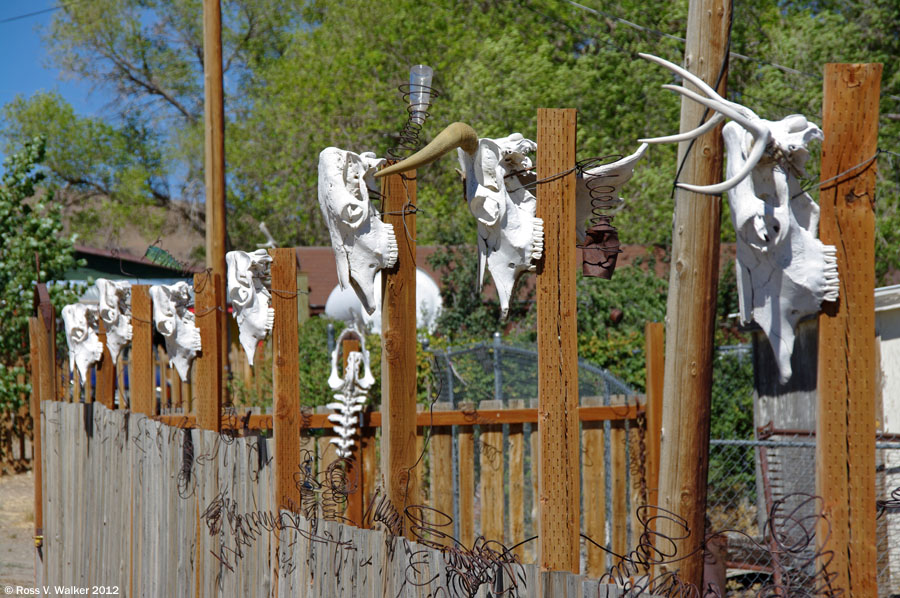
<point>29,228</point>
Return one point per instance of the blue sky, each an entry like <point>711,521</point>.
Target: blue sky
<point>25,70</point>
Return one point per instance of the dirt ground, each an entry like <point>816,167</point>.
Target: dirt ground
<point>17,529</point>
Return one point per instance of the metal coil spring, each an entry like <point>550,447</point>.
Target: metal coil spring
<point>603,196</point>
<point>409,136</point>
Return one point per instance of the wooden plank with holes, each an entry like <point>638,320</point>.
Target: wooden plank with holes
<point>558,488</point>
<point>490,456</point>
<point>38,369</point>
<point>209,308</point>
<point>466,443</point>
<point>398,362</point>
<point>845,478</point>
<point>285,378</point>
<point>593,484</point>
<point>141,362</point>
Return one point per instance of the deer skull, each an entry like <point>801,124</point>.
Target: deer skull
<point>115,311</point>
<point>248,275</point>
<point>784,271</point>
<point>362,243</point>
<point>510,236</point>
<point>173,320</point>
<point>85,348</point>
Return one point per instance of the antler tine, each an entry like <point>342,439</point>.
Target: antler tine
<point>700,83</point>
<point>760,132</point>
<point>687,136</point>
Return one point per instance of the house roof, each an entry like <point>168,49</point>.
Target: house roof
<point>116,265</point>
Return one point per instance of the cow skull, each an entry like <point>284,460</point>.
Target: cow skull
<point>606,180</point>
<point>115,311</point>
<point>784,271</point>
<point>173,320</point>
<point>362,243</point>
<point>85,349</point>
<point>350,391</point>
<point>248,275</point>
<point>510,236</point>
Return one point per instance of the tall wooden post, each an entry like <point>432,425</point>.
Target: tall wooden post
<point>398,361</point>
<point>214,127</point>
<point>286,378</point>
<point>691,310</point>
<point>209,308</point>
<point>845,427</point>
<point>655,350</point>
<point>141,370</point>
<point>559,520</point>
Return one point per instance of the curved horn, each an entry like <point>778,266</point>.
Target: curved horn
<point>455,135</point>
<point>687,136</point>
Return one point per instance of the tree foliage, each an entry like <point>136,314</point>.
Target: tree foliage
<point>29,228</point>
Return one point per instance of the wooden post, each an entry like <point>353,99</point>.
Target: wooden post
<point>559,520</point>
<point>845,454</point>
<point>106,374</point>
<point>441,444</point>
<point>491,459</point>
<point>214,120</point>
<point>594,487</point>
<point>466,443</point>
<point>143,397</point>
<point>691,310</point>
<point>398,362</point>
<point>209,309</point>
<point>355,471</point>
<point>286,378</point>
<point>38,371</point>
<point>516,449</point>
<point>655,350</point>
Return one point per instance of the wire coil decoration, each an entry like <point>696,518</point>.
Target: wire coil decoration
<point>408,140</point>
<point>601,246</point>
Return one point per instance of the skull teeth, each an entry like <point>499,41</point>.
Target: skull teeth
<point>537,241</point>
<point>832,281</point>
<point>392,250</point>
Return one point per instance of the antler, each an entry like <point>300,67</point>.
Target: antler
<point>723,108</point>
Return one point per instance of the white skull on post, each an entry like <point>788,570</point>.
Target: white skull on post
<point>175,322</point>
<point>510,236</point>
<point>784,271</point>
<point>115,311</point>
<point>362,243</point>
<point>248,277</point>
<point>85,348</point>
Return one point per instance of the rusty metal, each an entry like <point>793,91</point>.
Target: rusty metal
<point>601,248</point>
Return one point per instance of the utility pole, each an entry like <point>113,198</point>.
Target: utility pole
<point>845,424</point>
<point>691,310</point>
<point>214,126</point>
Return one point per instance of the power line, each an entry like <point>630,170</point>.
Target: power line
<point>658,33</point>
<point>38,12</point>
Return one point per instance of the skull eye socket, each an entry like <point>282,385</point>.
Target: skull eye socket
<point>486,208</point>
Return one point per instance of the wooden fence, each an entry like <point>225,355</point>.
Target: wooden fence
<point>153,509</point>
<point>112,470</point>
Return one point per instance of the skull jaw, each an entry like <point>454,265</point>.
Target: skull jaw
<point>366,254</point>
<point>516,253</point>
<point>247,276</point>
<point>183,346</point>
<point>118,335</point>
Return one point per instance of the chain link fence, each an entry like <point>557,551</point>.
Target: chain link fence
<point>753,482</point>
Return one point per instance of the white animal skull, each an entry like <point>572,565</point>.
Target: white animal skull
<point>351,391</point>
<point>115,311</point>
<point>362,243</point>
<point>82,323</point>
<point>173,320</point>
<point>510,236</point>
<point>606,180</point>
<point>248,276</point>
<point>784,271</point>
